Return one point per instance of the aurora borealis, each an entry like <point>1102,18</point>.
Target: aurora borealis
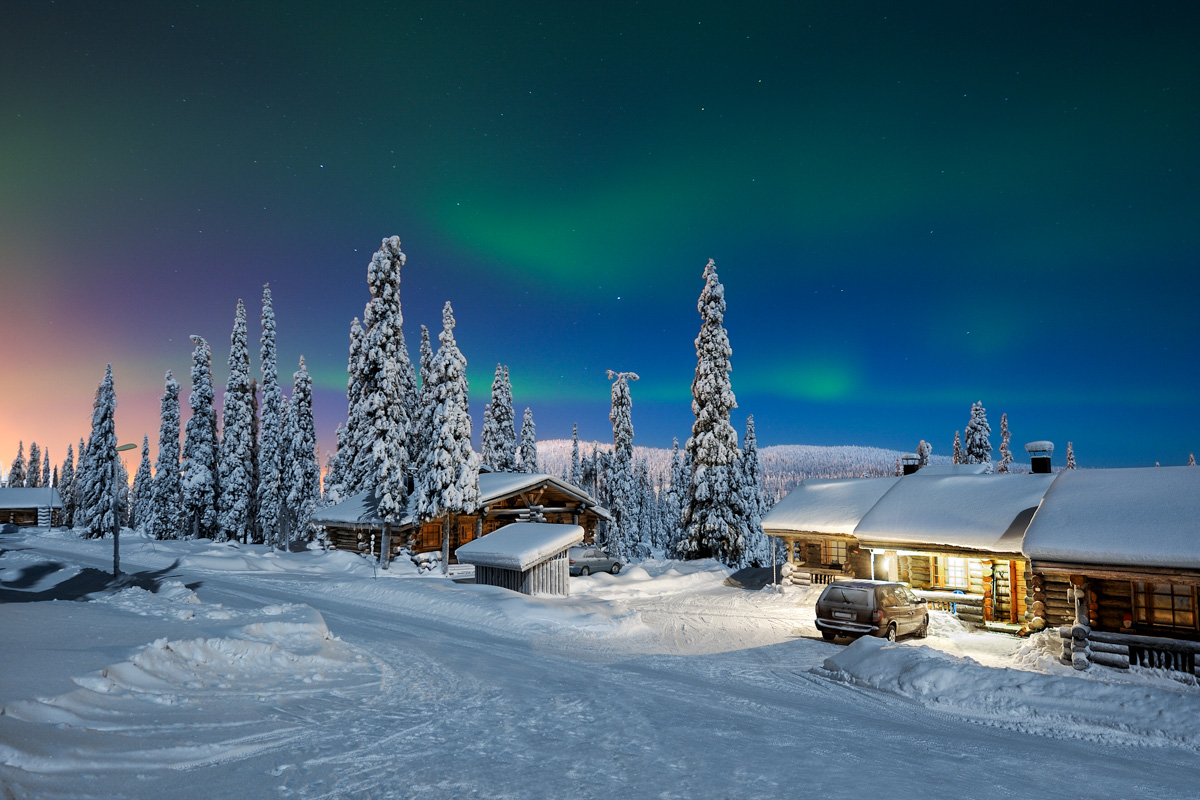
<point>911,206</point>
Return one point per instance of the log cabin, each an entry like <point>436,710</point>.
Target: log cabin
<point>949,531</point>
<point>504,497</point>
<point>28,507</point>
<point>1115,556</point>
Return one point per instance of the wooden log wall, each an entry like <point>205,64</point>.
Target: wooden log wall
<point>919,574</point>
<point>988,576</point>
<point>1108,603</point>
<point>902,568</point>
<point>1052,602</point>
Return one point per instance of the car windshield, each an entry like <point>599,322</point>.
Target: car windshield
<point>843,594</point>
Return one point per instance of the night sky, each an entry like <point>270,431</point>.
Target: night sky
<point>912,207</point>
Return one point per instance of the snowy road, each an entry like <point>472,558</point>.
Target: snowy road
<point>665,687</point>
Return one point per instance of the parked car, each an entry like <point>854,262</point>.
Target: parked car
<point>586,560</point>
<point>871,608</point>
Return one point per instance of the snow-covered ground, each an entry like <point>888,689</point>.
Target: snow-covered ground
<point>227,671</point>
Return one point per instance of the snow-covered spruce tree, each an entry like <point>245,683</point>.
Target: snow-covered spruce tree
<point>1191,459</point>
<point>271,441</point>
<point>123,500</point>
<point>976,439</point>
<point>529,452</point>
<point>167,502</point>
<point>66,487</point>
<point>448,480</point>
<point>46,468</point>
<point>957,456</point>
<point>420,426</point>
<point>623,537</point>
<point>714,516</point>
<point>99,496</point>
<point>1070,456</point>
<point>924,450</point>
<point>1005,452</point>
<point>33,473</point>
<point>252,510</point>
<point>499,436</point>
<point>899,470</point>
<point>304,484</point>
<point>672,505</point>
<point>758,547</point>
<point>143,488</point>
<point>348,473</point>
<point>55,478</point>
<point>16,473</point>
<point>236,459</point>
<point>575,476</point>
<point>200,449</point>
<point>388,387</point>
<point>287,432</point>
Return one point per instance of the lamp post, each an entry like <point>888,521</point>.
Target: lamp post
<point>116,517</point>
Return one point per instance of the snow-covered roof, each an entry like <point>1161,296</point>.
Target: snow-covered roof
<point>30,498</point>
<point>826,505</point>
<point>1133,517</point>
<point>362,508</point>
<point>519,545</point>
<point>951,469</point>
<point>974,512</point>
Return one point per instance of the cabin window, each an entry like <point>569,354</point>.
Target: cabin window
<point>951,572</point>
<point>833,552</point>
<point>1164,605</point>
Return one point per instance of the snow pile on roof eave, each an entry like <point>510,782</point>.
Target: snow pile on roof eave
<point>519,545</point>
<point>826,505</point>
<point>1146,516</point>
<point>20,497</point>
<point>357,509</point>
<point>987,513</point>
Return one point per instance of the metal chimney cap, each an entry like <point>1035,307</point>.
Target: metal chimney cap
<point>1040,447</point>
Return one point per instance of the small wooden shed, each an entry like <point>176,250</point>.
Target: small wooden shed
<point>41,507</point>
<point>526,557</point>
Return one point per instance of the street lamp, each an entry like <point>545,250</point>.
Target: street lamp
<point>116,518</point>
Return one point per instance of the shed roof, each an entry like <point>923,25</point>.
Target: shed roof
<point>826,505</point>
<point>519,545</point>
<point>30,498</point>
<point>1146,516</point>
<point>974,512</point>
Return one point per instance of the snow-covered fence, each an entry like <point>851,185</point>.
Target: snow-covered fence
<point>1123,650</point>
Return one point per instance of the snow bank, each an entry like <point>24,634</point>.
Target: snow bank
<point>1104,708</point>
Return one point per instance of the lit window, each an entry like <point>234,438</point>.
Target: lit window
<point>1164,605</point>
<point>952,573</point>
<point>833,552</point>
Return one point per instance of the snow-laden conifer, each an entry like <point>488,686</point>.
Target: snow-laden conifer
<point>499,437</point>
<point>714,519</point>
<point>79,519</point>
<point>575,477</point>
<point>1005,451</point>
<point>66,487</point>
<point>304,484</point>
<point>33,473</point>
<point>1071,456</point>
<point>672,506</point>
<point>271,441</point>
<point>977,443</point>
<point>758,547</point>
<point>528,452</point>
<point>957,455</point>
<point>167,502</point>
<point>351,464</point>
<point>623,534</point>
<point>200,449</point>
<point>899,470</point>
<point>420,433</point>
<point>448,480</point>
<point>924,450</point>
<point>143,489</point>
<point>387,383</point>
<point>99,501</point>
<point>16,473</point>
<point>236,460</point>
<point>1191,459</point>
<point>46,468</point>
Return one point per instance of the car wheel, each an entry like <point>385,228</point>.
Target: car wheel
<point>828,635</point>
<point>891,633</point>
<point>615,569</point>
<point>923,631</point>
<point>584,571</point>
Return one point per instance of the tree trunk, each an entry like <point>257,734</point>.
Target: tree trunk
<point>446,544</point>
